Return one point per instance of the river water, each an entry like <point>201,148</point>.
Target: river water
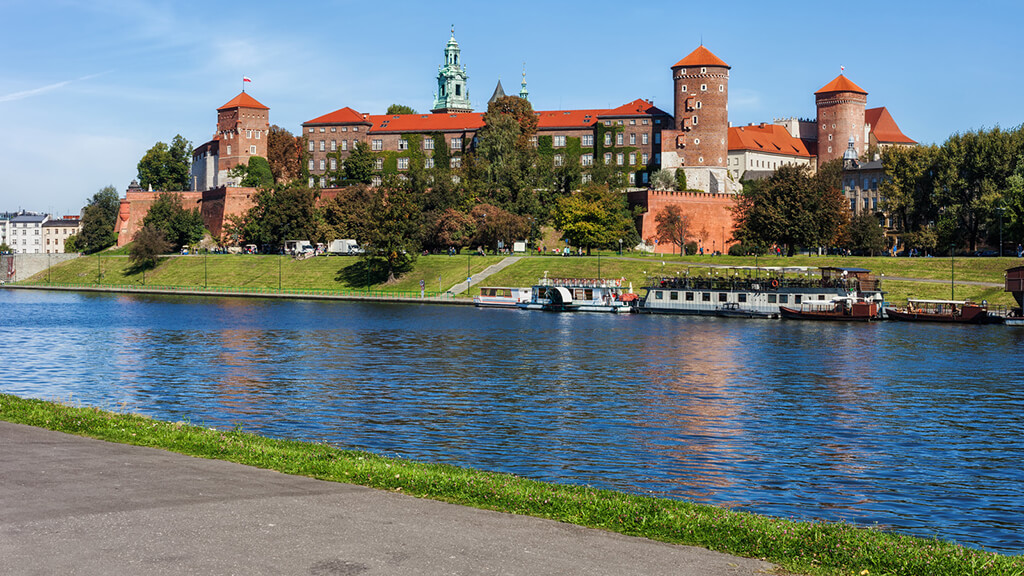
<point>912,427</point>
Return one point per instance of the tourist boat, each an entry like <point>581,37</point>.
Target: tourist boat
<point>946,311</point>
<point>1015,286</point>
<point>499,297</point>
<point>843,310</point>
<point>578,295</point>
<point>757,292</point>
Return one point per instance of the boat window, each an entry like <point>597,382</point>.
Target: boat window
<point>673,295</point>
<point>705,297</point>
<point>588,294</point>
<point>689,296</point>
<point>796,299</point>
<point>821,296</point>
<point>771,298</point>
<point>487,291</point>
<point>783,298</point>
<point>577,294</point>
<point>722,296</point>
<point>657,294</point>
<point>742,297</point>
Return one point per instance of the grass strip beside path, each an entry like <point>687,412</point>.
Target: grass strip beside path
<point>804,547</point>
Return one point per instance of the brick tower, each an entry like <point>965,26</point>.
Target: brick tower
<point>702,108</point>
<point>840,106</point>
<point>243,125</point>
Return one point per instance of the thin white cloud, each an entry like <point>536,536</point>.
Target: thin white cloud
<point>43,89</point>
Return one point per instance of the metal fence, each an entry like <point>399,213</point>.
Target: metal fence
<point>253,291</point>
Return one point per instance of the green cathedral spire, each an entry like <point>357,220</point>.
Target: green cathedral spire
<point>452,93</point>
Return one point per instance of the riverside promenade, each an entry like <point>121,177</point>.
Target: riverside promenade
<point>74,505</point>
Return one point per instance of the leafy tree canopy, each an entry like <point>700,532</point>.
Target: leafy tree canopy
<point>179,226</point>
<point>595,217</point>
<point>359,164</point>
<point>167,167</point>
<point>399,109</point>
<point>255,174</point>
<point>284,154</point>
<point>673,226</point>
<point>147,245</point>
<point>283,212</point>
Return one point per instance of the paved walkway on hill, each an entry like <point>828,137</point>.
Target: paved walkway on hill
<point>74,505</point>
<point>481,276</point>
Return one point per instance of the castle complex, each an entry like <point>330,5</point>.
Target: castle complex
<point>634,140</point>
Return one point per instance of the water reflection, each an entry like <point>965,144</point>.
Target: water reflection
<point>915,427</point>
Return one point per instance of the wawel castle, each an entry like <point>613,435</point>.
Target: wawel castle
<point>635,139</point>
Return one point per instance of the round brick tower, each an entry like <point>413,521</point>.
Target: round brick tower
<point>840,106</point>
<point>702,108</point>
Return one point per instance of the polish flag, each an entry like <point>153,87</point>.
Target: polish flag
<point>246,79</point>
<point>841,68</point>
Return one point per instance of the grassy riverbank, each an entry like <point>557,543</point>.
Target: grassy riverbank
<point>440,273</point>
<point>802,547</point>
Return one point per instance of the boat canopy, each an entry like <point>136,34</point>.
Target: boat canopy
<point>925,301</point>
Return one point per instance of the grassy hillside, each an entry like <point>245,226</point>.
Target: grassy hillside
<point>341,272</point>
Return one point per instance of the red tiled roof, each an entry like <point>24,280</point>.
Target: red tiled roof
<point>638,107</point>
<point>841,84</point>
<point>345,115</point>
<point>701,57</point>
<point>768,138</point>
<point>884,127</point>
<point>455,122</point>
<point>243,100</point>
<point>551,119</point>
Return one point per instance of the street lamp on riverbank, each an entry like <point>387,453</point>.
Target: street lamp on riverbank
<point>951,273</point>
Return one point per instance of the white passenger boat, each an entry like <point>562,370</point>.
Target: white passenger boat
<point>757,292</point>
<point>499,297</point>
<point>579,295</point>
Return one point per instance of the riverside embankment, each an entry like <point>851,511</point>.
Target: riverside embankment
<point>162,513</point>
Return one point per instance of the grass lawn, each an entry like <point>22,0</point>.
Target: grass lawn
<point>816,548</point>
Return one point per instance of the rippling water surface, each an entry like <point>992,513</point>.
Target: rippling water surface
<point>908,426</point>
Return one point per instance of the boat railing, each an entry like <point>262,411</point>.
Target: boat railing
<point>582,282</point>
<point>761,284</point>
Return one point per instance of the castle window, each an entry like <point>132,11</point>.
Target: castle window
<point>587,140</point>
<point>377,145</point>
<point>696,140</point>
<point>721,87</point>
<point>632,122</point>
<point>658,121</point>
<point>558,159</point>
<point>657,158</point>
<point>618,139</point>
<point>533,141</point>
<point>248,133</point>
<point>830,149</point>
<point>644,121</point>
<point>355,128</point>
<point>698,105</point>
<point>645,175</point>
<point>458,89</point>
<point>229,149</point>
<point>403,163</point>
<point>703,87</point>
<point>701,159</point>
<point>334,163</point>
<point>344,128</point>
<point>428,163</point>
<point>632,138</point>
<point>334,145</point>
<point>322,129</point>
<point>607,122</point>
<point>311,167</point>
<point>684,88</point>
<point>311,131</point>
<point>632,178</point>
<point>333,129</point>
<point>258,132</point>
<point>378,164</point>
<point>558,142</point>
<point>682,70</point>
<point>455,162</point>
<point>376,181</point>
<point>321,164</point>
<point>403,144</point>
<point>456,143</point>
<point>323,181</point>
<point>428,143</point>
<point>632,158</point>
<point>323,145</point>
<point>643,138</point>
<point>252,149</point>
<point>344,144</point>
<point>607,138</point>
<point>657,138</point>
<point>694,120</point>
<point>643,159</point>
<point>312,146</point>
<point>586,178</point>
<point>607,158</point>
<point>619,122</point>
<point>619,158</point>
<point>587,160</point>
<point>829,137</point>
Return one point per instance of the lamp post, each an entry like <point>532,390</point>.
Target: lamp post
<point>951,281</point>
<point>205,273</point>
<point>620,246</point>
<point>1000,210</point>
<point>598,265</point>
<point>279,260</point>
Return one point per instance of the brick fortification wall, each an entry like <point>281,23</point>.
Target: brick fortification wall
<point>214,205</point>
<point>711,219</point>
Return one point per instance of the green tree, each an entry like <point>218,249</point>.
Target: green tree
<point>450,229</point>
<point>359,164</point>
<point>504,164</point>
<point>179,226</point>
<point>347,214</point>
<point>4,248</point>
<point>399,109</point>
<point>282,212</point>
<point>285,153</point>
<point>255,174</point>
<point>792,208</point>
<point>907,186</point>
<point>663,180</point>
<point>494,224</point>
<point>866,234</point>
<point>595,217</point>
<point>147,246</point>
<point>391,235</point>
<point>680,179</point>
<point>98,219</point>
<point>71,244</point>
<point>167,167</point>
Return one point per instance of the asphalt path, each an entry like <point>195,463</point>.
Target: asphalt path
<point>73,505</point>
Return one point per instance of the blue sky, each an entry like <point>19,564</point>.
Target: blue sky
<point>86,87</point>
